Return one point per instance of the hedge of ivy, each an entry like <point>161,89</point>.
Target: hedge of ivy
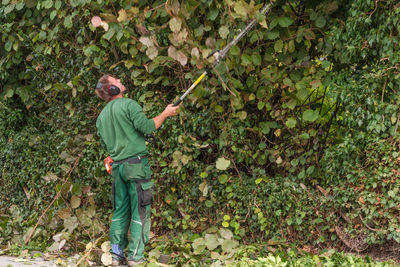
<point>294,136</point>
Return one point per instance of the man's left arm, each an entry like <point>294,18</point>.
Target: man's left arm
<point>145,125</point>
<point>139,119</point>
<point>169,111</point>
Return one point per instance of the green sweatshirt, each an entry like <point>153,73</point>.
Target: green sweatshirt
<point>121,126</point>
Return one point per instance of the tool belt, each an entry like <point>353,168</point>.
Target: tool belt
<point>134,160</point>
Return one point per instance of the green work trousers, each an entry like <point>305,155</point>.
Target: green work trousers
<point>132,193</point>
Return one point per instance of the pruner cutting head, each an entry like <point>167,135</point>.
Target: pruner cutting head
<point>214,53</point>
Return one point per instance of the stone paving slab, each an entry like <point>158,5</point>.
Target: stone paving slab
<point>10,261</point>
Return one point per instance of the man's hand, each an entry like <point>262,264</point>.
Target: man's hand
<point>169,111</point>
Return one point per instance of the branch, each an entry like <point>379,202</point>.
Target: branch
<point>366,225</point>
<point>376,6</point>
<point>226,86</point>
<point>383,90</point>
<point>90,250</point>
<point>54,199</point>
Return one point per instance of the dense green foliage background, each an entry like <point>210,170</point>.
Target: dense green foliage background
<point>293,138</point>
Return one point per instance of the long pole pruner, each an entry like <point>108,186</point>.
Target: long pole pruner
<point>220,54</point>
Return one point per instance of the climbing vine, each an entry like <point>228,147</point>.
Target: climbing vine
<point>295,130</point>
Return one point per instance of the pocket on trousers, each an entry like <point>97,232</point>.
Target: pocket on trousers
<point>134,171</point>
<point>146,197</point>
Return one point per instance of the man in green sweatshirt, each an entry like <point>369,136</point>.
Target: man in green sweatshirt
<point>122,127</point>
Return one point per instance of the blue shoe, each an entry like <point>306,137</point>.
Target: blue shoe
<point>117,255</point>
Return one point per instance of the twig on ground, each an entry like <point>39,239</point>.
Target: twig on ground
<point>89,251</point>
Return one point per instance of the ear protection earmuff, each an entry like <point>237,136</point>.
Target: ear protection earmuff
<point>112,89</point>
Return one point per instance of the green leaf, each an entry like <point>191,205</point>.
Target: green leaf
<point>209,203</point>
<point>222,164</point>
<point>175,24</point>
<point>203,187</point>
<point>273,23</point>
<point>198,32</point>
<point>212,15</point>
<point>285,22</point>
<point>278,46</point>
<point>58,4</point>
<point>291,104</point>
<point>291,123</point>
<point>199,245</point>
<point>241,8</point>
<point>225,233</point>
<point>9,9</point>
<point>223,32</point>
<point>223,178</point>
<point>53,248</point>
<point>294,162</point>
<point>310,169</point>
<point>287,81</point>
<point>122,15</point>
<point>305,136</point>
<point>8,45</point>
<point>265,127</point>
<point>64,213</point>
<point>246,60</point>
<point>68,22</point>
<point>75,202</point>
<point>320,22</point>
<point>109,34</point>
<point>291,46</point>
<point>302,93</point>
<point>211,241</point>
<point>135,74</point>
<point>50,176</point>
<point>47,4</point>
<point>152,52</point>
<point>53,14</point>
<point>218,108</point>
<point>241,115</point>
<point>71,223</point>
<point>20,5</point>
<point>234,51</point>
<point>271,35</point>
<point>203,175</point>
<point>30,3</point>
<point>256,59</point>
<point>309,34</point>
<point>310,115</point>
<point>326,64</point>
<point>260,17</point>
<point>228,245</point>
